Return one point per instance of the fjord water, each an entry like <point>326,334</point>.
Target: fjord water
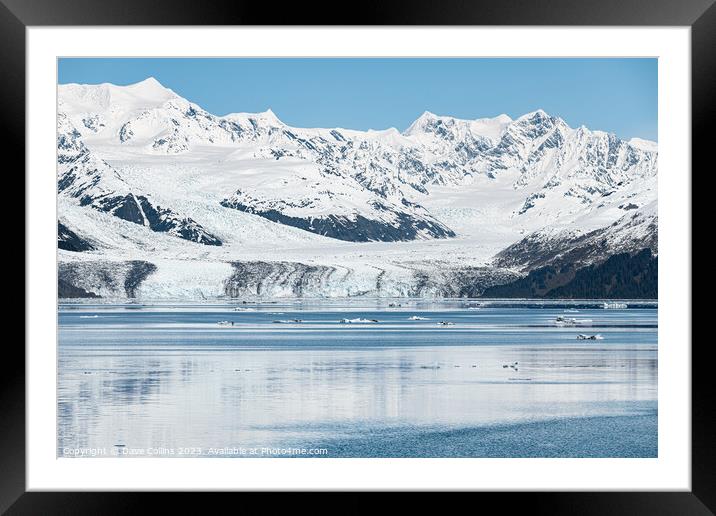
<point>501,380</point>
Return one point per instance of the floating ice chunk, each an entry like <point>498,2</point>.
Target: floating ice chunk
<point>571,321</point>
<point>612,306</point>
<point>358,320</point>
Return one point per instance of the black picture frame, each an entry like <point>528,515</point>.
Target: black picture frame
<point>17,15</point>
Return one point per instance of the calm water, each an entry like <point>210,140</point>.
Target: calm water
<point>500,381</point>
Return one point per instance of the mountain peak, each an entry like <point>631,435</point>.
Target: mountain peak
<point>149,87</point>
<point>269,116</point>
<point>150,81</point>
<point>537,114</point>
<point>422,122</point>
<point>82,98</point>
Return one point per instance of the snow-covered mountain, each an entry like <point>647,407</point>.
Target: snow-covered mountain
<point>632,232</point>
<point>146,176</point>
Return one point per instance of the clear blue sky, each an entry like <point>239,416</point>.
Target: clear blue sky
<point>615,95</point>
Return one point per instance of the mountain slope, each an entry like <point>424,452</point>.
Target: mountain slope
<point>94,183</point>
<point>634,231</point>
<point>620,276</point>
<point>144,174</point>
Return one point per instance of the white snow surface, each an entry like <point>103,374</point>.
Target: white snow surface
<point>492,181</point>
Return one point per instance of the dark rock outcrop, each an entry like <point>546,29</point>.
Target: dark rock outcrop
<point>355,229</point>
<point>68,240</point>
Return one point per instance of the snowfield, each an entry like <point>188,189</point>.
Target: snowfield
<point>243,205</point>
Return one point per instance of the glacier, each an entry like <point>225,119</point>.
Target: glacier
<point>160,199</point>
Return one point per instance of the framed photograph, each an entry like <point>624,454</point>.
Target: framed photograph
<point>432,251</point>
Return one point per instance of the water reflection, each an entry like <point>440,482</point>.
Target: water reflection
<point>205,388</point>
